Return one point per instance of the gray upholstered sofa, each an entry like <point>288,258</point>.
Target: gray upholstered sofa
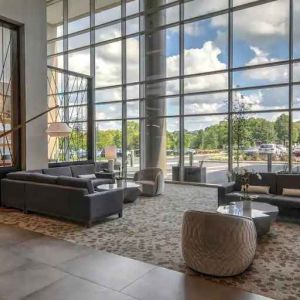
<point>58,192</point>
<point>288,205</point>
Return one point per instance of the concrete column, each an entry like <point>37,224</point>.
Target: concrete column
<point>155,68</point>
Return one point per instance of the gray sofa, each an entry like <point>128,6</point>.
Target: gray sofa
<point>288,206</point>
<point>58,192</point>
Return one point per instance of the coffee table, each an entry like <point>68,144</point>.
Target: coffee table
<point>131,189</point>
<point>262,214</point>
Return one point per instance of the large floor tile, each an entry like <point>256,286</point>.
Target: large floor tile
<point>27,279</point>
<point>165,284</point>
<point>107,269</point>
<point>50,251</point>
<point>10,261</point>
<point>72,288</point>
<point>10,235</point>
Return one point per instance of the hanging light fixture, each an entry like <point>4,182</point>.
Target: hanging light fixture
<point>59,129</point>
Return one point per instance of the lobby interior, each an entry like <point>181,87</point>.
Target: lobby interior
<point>150,149</point>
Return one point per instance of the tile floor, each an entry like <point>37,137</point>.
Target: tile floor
<point>33,266</point>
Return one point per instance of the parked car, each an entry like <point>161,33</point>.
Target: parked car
<point>283,150</point>
<point>251,151</point>
<point>269,149</point>
<point>190,151</point>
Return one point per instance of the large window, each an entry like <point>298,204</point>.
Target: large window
<point>172,79</point>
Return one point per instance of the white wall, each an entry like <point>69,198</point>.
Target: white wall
<point>32,14</point>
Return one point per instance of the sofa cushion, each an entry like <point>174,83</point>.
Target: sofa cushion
<point>58,171</point>
<point>260,189</point>
<point>267,179</point>
<point>82,170</point>
<point>76,182</point>
<point>291,192</point>
<point>36,177</point>
<point>289,181</point>
<point>87,176</point>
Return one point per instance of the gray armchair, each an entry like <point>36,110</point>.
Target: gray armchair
<point>216,244</point>
<point>151,180</point>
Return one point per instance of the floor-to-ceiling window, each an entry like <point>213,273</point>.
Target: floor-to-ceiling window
<point>178,78</point>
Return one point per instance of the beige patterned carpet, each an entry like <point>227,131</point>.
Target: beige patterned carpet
<point>150,231</point>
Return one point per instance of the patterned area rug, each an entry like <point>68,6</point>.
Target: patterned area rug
<point>150,231</point>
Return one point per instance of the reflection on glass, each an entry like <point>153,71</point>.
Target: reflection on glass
<point>163,106</point>
<point>108,95</point>
<point>133,147</point>
<point>195,8</point>
<point>55,47</point>
<point>106,11</point>
<point>78,15</point>
<point>261,76</point>
<point>108,33</point>
<point>132,7</point>
<point>132,60</point>
<point>108,64</point>
<point>206,103</point>
<point>165,16</point>
<point>55,20</point>
<point>80,61</point>
<point>260,34</point>
<point>205,45</point>
<point>56,61</point>
<point>169,87</point>
<point>108,111</point>
<point>78,41</point>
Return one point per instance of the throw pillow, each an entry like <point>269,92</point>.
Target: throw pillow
<point>291,192</point>
<point>260,189</point>
<point>87,176</point>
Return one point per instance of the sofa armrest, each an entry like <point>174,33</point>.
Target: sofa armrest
<point>105,175</point>
<point>103,204</point>
<point>224,189</point>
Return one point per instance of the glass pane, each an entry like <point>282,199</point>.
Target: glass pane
<point>165,50</point>
<point>78,41</point>
<point>195,8</point>
<point>109,133</point>
<point>205,146</point>
<point>165,16</point>
<point>170,87</point>
<point>108,64</point>
<point>296,96</point>
<point>108,33</point>
<point>78,15</point>
<point>55,47</point>
<point>205,45</point>
<point>263,99</point>
<point>296,29</point>
<point>109,111</point>
<point>133,147</point>
<point>76,113</point>
<point>132,60</point>
<point>132,26</point>
<point>240,2</point>
<point>296,72</point>
<point>132,7</point>
<point>107,11</point>
<point>163,106</point>
<point>261,76</point>
<point>296,142</point>
<point>133,109</point>
<point>56,61</point>
<point>132,92</point>
<point>80,61</point>
<point>260,34</point>
<point>55,20</point>
<point>206,103</point>
<point>206,83</point>
<point>108,95</point>
<point>261,136</point>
